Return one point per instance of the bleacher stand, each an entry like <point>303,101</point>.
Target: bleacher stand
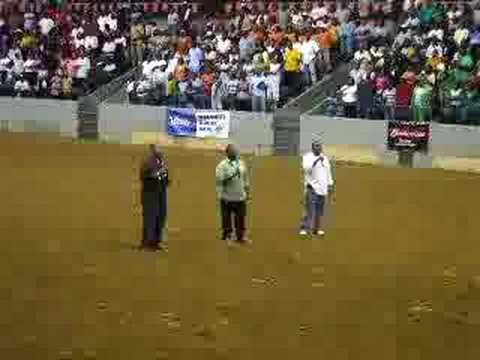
<point>65,49</point>
<point>430,73</point>
<point>254,55</point>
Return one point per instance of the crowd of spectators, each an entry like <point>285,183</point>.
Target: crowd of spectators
<point>252,56</point>
<point>430,69</point>
<point>46,51</point>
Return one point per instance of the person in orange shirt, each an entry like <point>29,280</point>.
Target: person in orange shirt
<point>181,70</point>
<point>333,31</point>
<point>184,43</point>
<point>324,40</point>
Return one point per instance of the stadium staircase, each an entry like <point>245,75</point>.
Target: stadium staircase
<point>88,105</point>
<point>286,121</point>
<point>315,95</point>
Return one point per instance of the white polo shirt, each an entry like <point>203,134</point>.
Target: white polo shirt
<point>309,50</point>
<point>320,176</point>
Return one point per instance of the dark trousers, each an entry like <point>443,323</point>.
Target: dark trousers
<point>154,217</point>
<point>237,210</point>
<point>350,110</point>
<point>294,81</point>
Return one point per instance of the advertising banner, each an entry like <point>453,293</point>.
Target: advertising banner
<point>404,135</point>
<point>198,123</point>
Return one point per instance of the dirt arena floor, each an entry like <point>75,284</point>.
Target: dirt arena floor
<point>388,281</point>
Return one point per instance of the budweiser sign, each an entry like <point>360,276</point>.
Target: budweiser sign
<point>407,134</point>
<point>401,134</point>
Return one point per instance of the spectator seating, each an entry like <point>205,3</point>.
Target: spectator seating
<point>48,51</point>
<point>242,60</point>
<point>433,68</point>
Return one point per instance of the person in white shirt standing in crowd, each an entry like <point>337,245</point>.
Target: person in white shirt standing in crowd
<point>258,89</point>
<point>233,86</point>
<point>350,98</point>
<point>309,51</point>
<point>273,83</point>
<point>172,21</point>
<point>318,185</point>
<point>83,67</point>
<point>218,92</point>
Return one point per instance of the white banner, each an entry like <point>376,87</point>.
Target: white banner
<point>212,124</point>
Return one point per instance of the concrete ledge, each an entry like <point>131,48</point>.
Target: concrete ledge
<point>457,164</point>
<point>362,154</point>
<point>140,138</point>
<point>373,155</point>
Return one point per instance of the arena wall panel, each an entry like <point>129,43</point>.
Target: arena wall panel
<point>122,122</point>
<point>39,115</point>
<point>454,147</point>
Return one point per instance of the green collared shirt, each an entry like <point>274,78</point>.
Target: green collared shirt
<point>231,187</point>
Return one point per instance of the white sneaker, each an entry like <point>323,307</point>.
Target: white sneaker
<point>303,232</point>
<point>320,233</point>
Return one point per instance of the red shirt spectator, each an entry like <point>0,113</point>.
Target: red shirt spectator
<point>404,94</point>
<point>208,79</point>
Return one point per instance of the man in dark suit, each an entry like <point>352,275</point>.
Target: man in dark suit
<point>155,181</point>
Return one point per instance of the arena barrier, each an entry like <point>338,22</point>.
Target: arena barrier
<point>126,124</point>
<point>39,116</point>
<point>452,147</point>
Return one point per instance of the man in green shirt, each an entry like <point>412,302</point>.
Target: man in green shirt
<point>233,191</point>
<point>421,102</point>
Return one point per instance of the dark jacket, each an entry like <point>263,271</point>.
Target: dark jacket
<point>154,176</point>
<point>365,94</point>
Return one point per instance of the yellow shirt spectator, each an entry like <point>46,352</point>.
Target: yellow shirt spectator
<point>29,41</point>
<point>293,60</point>
<point>137,34</point>
<point>434,61</point>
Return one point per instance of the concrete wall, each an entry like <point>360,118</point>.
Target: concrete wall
<point>39,115</point>
<point>364,140</point>
<point>118,122</point>
<point>343,137</point>
<point>447,140</point>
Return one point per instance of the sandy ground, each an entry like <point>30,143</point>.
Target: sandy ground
<point>388,281</point>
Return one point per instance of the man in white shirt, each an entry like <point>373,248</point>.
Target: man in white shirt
<point>22,87</point>
<point>172,22</point>
<point>309,51</point>
<point>109,46</point>
<point>223,44</point>
<point>318,184</point>
<point>5,64</point>
<point>46,24</point>
<point>317,12</point>
<point>461,34</point>
<point>258,89</point>
<point>107,20</point>
<point>83,66</point>
<point>160,79</point>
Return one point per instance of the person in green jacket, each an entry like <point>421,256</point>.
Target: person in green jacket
<point>422,101</point>
<point>233,187</point>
